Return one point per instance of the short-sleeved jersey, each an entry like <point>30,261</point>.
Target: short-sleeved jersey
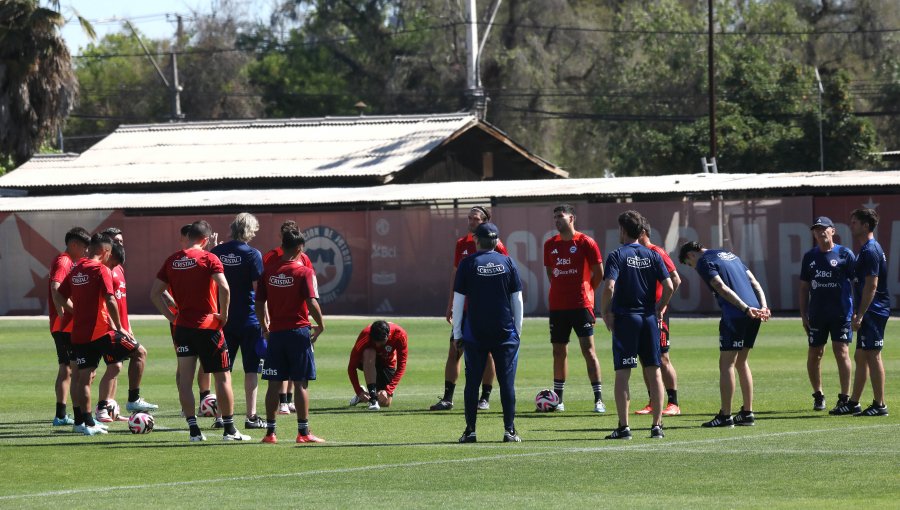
<point>830,275</point>
<point>189,276</point>
<point>465,246</point>
<point>733,272</point>
<point>118,280</point>
<point>276,253</point>
<point>243,266</point>
<point>670,267</point>
<point>488,279</point>
<point>285,286</point>
<point>636,270</point>
<point>570,265</point>
<point>87,286</point>
<point>59,269</point>
<point>871,261</point>
<point>392,355</point>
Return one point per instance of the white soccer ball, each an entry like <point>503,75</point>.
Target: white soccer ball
<point>140,423</point>
<point>113,407</point>
<point>209,405</point>
<point>546,400</point>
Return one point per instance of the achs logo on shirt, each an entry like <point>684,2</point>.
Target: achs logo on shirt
<point>281,280</point>
<point>184,262</point>
<point>80,279</point>
<point>231,259</point>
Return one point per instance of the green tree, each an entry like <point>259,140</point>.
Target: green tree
<point>37,85</point>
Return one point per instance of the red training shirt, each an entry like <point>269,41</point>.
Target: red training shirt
<point>670,267</point>
<point>286,285</point>
<point>188,274</point>
<point>59,269</point>
<point>570,278</point>
<point>465,246</point>
<point>276,253</point>
<point>393,355</point>
<point>118,280</point>
<point>87,286</point>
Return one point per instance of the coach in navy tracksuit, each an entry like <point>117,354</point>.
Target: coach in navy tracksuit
<point>488,288</point>
<point>630,310</point>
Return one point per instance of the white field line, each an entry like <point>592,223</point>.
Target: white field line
<point>405,465</point>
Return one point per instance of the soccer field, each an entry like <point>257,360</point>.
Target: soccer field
<point>408,457</point>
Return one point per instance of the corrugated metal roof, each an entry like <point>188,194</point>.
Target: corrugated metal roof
<point>285,148</point>
<point>860,181</point>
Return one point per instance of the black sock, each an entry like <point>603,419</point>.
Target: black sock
<point>270,427</point>
<point>303,427</point>
<point>373,392</point>
<point>88,419</point>
<point>282,398</point>
<point>597,387</point>
<point>449,388</point>
<point>558,386</point>
<point>843,398</point>
<point>486,391</point>
<point>79,418</point>
<point>135,394</point>
<point>192,425</point>
<point>60,410</point>
<point>102,404</point>
<point>290,397</point>
<point>673,396</point>
<point>229,424</point>
<point>204,393</point>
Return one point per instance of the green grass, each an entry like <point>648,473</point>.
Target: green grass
<point>408,457</point>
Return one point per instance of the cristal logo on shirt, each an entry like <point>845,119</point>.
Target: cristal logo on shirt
<point>726,255</point>
<point>231,259</point>
<point>80,279</point>
<point>184,263</point>
<point>491,269</point>
<point>281,280</point>
<point>638,262</point>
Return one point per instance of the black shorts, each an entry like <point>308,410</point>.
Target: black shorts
<point>206,344</point>
<point>870,336</point>
<point>664,343</point>
<point>383,374</point>
<point>738,333</point>
<point>244,339</point>
<point>113,348</point>
<point>64,352</point>
<point>840,330</point>
<point>562,322</point>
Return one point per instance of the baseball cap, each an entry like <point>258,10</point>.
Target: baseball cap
<point>487,231</point>
<point>822,221</point>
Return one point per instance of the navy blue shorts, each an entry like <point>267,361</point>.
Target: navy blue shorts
<point>737,333</point>
<point>208,345</point>
<point>244,339</point>
<point>289,356</point>
<point>839,329</point>
<point>64,352</point>
<point>871,332</point>
<point>635,336</point>
<point>562,322</point>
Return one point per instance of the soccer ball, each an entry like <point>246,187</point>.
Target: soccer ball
<point>546,400</point>
<point>113,407</point>
<point>209,405</point>
<point>140,423</point>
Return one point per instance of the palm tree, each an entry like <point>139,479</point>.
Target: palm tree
<point>37,84</point>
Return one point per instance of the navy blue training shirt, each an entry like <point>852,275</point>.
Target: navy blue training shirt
<point>871,261</point>
<point>243,266</point>
<point>829,275</point>
<point>733,272</point>
<point>488,279</point>
<point>635,269</point>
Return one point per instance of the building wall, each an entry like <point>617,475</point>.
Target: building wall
<point>400,262</point>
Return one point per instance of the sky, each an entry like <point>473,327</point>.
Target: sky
<point>153,18</point>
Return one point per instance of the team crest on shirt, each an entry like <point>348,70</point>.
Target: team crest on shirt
<point>184,262</point>
<point>491,269</point>
<point>80,278</point>
<point>833,262</point>
<point>281,280</point>
<point>231,259</point>
<point>331,260</point>
<point>388,348</point>
<point>573,249</point>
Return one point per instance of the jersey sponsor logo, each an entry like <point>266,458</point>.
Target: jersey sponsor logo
<point>184,262</point>
<point>630,361</point>
<point>80,279</point>
<point>269,371</point>
<point>381,251</point>
<point>557,272</point>
<point>80,361</point>
<point>637,262</point>
<point>563,262</point>
<point>726,255</point>
<point>281,280</point>
<point>182,348</point>
<point>231,259</point>
<point>490,269</point>
<point>331,260</point>
<point>823,274</point>
<point>824,285</point>
<point>384,278</point>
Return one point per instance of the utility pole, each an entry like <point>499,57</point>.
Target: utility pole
<point>712,87</point>
<point>474,91</point>
<point>174,88</point>
<point>821,138</point>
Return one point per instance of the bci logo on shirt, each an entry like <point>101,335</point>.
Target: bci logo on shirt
<point>563,262</point>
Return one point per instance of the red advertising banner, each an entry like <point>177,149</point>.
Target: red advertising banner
<point>399,262</point>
